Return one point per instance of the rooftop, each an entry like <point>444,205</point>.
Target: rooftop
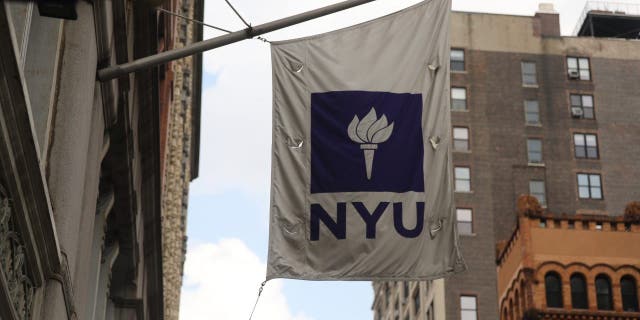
<point>609,20</point>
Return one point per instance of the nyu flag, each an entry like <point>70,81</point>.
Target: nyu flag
<point>361,184</point>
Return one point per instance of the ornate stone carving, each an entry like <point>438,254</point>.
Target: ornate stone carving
<point>12,262</point>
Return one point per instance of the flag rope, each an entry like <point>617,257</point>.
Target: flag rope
<point>257,298</point>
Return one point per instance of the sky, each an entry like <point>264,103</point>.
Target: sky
<point>227,223</point>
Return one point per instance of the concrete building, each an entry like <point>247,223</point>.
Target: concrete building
<point>535,113</point>
<point>82,182</point>
<point>590,276</point>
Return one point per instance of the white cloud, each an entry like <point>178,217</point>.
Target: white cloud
<point>221,282</point>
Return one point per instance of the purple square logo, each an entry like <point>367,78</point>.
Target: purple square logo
<point>366,141</point>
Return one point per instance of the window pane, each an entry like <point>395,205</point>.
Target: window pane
<point>459,93</point>
<point>464,214</point>
<point>536,187</point>
<point>581,152</point>
<point>468,302</point>
<point>576,100</point>
<point>457,55</point>
<point>462,173</point>
<point>461,133</point>
<point>463,185</point>
<point>465,228</point>
<point>583,192</point>
<point>578,292</point>
<point>553,288</point>
<point>578,139</point>
<point>592,152</point>
<point>528,67</point>
<point>596,193</point>
<point>584,75</point>
<point>629,294</point>
<point>594,180</point>
<point>587,101</point>
<point>457,65</point>
<point>583,180</point>
<point>572,63</point>
<point>529,79</point>
<point>461,145</point>
<point>587,112</point>
<point>468,315</point>
<point>591,140</point>
<point>584,64</point>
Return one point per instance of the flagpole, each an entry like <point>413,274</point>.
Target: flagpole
<point>112,72</point>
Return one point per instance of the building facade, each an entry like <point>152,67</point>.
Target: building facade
<point>81,173</point>
<point>590,276</point>
<point>534,112</point>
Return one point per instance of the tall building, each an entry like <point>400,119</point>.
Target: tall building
<point>590,276</point>
<point>534,112</point>
<point>179,90</point>
<point>82,182</point>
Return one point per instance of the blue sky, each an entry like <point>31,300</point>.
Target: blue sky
<point>227,221</point>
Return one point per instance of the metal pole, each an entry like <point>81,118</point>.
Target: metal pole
<point>156,59</point>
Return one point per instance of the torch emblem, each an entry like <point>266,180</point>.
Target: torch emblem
<point>369,132</point>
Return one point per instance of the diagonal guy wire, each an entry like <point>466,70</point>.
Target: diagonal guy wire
<point>193,20</point>
<point>237,14</point>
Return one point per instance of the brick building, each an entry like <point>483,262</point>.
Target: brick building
<point>534,112</point>
<point>570,267</point>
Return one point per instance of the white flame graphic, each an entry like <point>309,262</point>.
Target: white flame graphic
<point>369,133</point>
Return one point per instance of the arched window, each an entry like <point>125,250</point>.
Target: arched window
<point>553,286</point>
<point>629,294</point>
<point>603,292</point>
<point>579,291</point>
<point>505,315</point>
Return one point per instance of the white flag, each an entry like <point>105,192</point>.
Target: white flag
<point>361,184</point>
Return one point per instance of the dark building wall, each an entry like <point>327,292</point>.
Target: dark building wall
<point>495,46</point>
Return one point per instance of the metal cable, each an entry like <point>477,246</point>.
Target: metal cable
<point>257,298</point>
<point>205,24</point>
<point>193,20</point>
<point>238,14</point>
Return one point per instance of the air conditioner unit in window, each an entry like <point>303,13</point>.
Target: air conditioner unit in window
<point>574,74</point>
<point>577,112</point>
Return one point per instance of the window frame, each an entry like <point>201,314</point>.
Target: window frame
<point>455,176</point>
<point>542,202</point>
<point>526,112</point>
<point>581,97</point>
<point>589,186</point>
<point>585,147</point>
<point>547,292</point>
<point>468,140</point>
<point>608,296</point>
<point>466,99</point>
<point>529,152</point>
<point>475,299</point>
<point>629,297</point>
<point>471,222</point>
<point>578,68</point>
<point>523,73</point>
<point>463,61</point>
<point>579,298</point>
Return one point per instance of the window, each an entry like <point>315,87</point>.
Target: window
<point>465,221</point>
<point>629,292</point>
<point>578,68</point>
<point>589,186</point>
<point>457,60</point>
<point>534,150</point>
<point>603,293</point>
<point>468,308</point>
<point>416,300</point>
<point>531,112</point>
<point>582,106</point>
<point>536,189</point>
<point>529,73</point>
<point>460,139</point>
<point>458,99</point>
<point>553,290</point>
<point>579,292</point>
<point>463,179</point>
<point>586,145</point>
